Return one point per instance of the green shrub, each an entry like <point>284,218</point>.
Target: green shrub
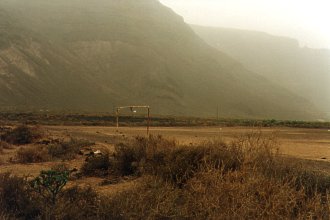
<point>50,183</point>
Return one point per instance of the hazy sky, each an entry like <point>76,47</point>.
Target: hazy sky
<point>305,20</point>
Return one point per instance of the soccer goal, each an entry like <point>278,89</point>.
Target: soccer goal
<point>132,108</point>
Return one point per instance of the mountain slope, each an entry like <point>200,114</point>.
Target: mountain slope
<point>94,55</point>
<point>304,71</point>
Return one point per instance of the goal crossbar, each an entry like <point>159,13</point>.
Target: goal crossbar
<point>133,107</point>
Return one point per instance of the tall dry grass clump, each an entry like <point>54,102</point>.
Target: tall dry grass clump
<point>165,159</point>
<point>247,178</point>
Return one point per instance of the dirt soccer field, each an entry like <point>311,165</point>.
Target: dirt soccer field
<point>312,144</point>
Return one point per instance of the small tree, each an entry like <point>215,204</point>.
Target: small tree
<point>50,183</point>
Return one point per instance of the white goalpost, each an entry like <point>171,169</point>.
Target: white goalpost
<point>132,107</point>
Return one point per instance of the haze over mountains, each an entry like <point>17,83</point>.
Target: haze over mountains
<point>304,71</point>
<point>94,55</point>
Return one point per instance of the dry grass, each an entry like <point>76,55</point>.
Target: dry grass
<point>32,154</point>
<point>64,150</point>
<point>67,150</point>
<point>216,195</point>
<point>245,179</point>
<point>21,135</point>
<point>5,145</point>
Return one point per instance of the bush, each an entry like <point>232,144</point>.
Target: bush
<point>237,194</point>
<point>78,203</point>
<point>214,195</point>
<point>151,199</point>
<point>5,145</point>
<point>126,159</point>
<point>161,157</point>
<point>17,198</point>
<point>32,154</point>
<point>50,183</point>
<point>132,157</point>
<point>312,182</point>
<point>21,135</point>
<point>41,153</point>
<point>96,165</point>
<point>67,150</point>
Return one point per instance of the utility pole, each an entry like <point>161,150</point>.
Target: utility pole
<point>148,122</point>
<point>117,117</point>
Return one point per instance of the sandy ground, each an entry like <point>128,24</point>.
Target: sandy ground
<point>312,144</point>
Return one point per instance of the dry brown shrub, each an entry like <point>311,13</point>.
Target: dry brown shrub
<point>131,157</point>
<point>149,199</point>
<point>164,158</point>
<point>260,150</point>
<point>215,195</point>
<point>97,165</point>
<point>5,145</point>
<point>75,203</point>
<point>22,135</point>
<point>32,154</point>
<point>244,179</point>
<point>19,201</point>
<point>237,194</point>
<point>67,150</point>
<point>17,198</point>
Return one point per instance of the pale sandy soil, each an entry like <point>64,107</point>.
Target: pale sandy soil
<point>313,144</point>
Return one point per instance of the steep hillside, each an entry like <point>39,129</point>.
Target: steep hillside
<point>304,71</point>
<point>94,55</point>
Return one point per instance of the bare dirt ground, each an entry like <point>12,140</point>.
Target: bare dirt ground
<point>310,145</point>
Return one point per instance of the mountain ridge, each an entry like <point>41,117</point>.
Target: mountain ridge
<point>87,56</point>
<point>282,60</point>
